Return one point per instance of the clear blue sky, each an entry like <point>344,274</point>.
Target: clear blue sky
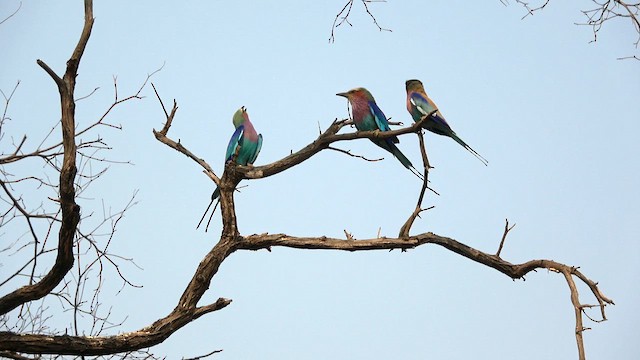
<point>557,118</point>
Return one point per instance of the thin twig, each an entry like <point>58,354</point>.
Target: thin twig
<point>10,16</point>
<point>203,356</point>
<point>406,227</point>
<point>348,152</point>
<point>343,17</point>
<point>504,235</point>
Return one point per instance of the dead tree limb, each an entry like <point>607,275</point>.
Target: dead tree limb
<point>70,210</point>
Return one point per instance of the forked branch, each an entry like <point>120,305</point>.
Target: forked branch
<point>176,145</point>
<point>504,235</point>
<point>343,17</point>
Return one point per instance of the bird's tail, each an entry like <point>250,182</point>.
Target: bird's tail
<point>214,196</point>
<point>403,160</point>
<point>464,144</point>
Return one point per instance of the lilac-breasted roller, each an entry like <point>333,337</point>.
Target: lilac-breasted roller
<point>419,105</point>
<point>367,116</point>
<point>243,148</point>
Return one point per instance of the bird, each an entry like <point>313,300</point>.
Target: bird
<point>419,105</point>
<point>367,116</point>
<point>243,149</point>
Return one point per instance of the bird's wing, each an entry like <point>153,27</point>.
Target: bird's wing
<point>381,121</point>
<point>421,103</point>
<point>234,142</point>
<point>424,106</point>
<point>378,115</point>
<point>442,127</point>
<point>258,147</point>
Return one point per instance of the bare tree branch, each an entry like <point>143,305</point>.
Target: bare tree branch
<point>504,236</point>
<point>345,12</point>
<point>575,301</point>
<point>7,100</point>
<point>15,356</point>
<point>105,345</point>
<point>348,152</point>
<point>609,10</point>
<point>70,210</point>
<point>404,230</point>
<point>162,137</point>
<point>603,12</point>
<point>12,14</point>
<point>203,356</point>
<point>530,9</point>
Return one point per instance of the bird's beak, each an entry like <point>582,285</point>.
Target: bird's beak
<point>344,94</point>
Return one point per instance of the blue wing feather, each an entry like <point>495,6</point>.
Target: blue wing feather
<point>421,103</point>
<point>234,142</point>
<point>381,121</point>
<point>378,115</point>
<point>425,107</point>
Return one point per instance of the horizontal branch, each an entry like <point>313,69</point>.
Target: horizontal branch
<point>265,241</point>
<point>514,271</point>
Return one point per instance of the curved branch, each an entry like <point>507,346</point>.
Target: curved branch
<point>514,271</point>
<point>12,14</point>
